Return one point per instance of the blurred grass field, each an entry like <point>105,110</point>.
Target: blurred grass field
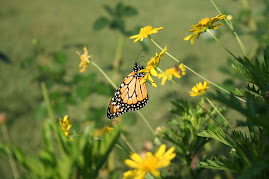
<point>56,24</point>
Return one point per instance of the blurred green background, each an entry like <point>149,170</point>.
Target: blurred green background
<point>38,33</point>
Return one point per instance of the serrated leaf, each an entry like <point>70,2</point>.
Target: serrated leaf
<point>218,134</point>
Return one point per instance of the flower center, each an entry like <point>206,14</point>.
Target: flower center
<point>204,21</point>
<point>145,31</point>
<point>150,163</point>
<point>201,91</point>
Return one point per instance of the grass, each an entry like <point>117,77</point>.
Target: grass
<point>57,24</point>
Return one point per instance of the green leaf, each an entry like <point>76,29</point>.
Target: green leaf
<point>109,10</point>
<point>219,164</point>
<point>101,23</point>
<point>130,11</point>
<point>47,136</point>
<point>218,134</point>
<point>106,146</point>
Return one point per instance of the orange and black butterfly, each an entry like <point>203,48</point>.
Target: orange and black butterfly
<point>130,96</point>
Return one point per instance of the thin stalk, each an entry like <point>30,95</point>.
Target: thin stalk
<point>231,27</point>
<point>12,163</point>
<point>113,84</point>
<point>128,144</point>
<point>225,131</point>
<point>218,111</point>
<point>196,72</point>
<point>118,54</point>
<point>105,75</point>
<point>51,115</point>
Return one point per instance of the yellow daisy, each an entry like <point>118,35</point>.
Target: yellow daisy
<point>176,71</point>
<point>199,89</point>
<point>150,68</point>
<point>151,163</point>
<point>66,125</point>
<point>203,25</point>
<point>84,59</point>
<point>145,32</point>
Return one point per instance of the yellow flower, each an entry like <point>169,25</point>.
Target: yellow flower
<point>199,89</point>
<point>176,71</point>
<point>150,68</point>
<point>66,125</point>
<point>84,59</point>
<point>203,25</point>
<point>145,32</point>
<point>151,163</point>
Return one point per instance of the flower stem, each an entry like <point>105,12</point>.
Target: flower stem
<point>218,111</point>
<point>195,72</point>
<point>231,27</point>
<point>105,75</point>
<point>114,86</point>
<point>10,157</point>
<point>128,144</point>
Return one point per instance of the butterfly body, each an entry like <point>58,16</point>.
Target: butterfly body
<point>130,96</point>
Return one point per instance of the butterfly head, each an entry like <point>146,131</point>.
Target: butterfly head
<point>137,68</point>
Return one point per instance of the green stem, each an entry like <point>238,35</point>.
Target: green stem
<point>128,144</point>
<point>118,54</point>
<point>51,115</point>
<point>195,72</point>
<point>231,27</point>
<point>113,84</point>
<point>105,75</point>
<point>218,111</point>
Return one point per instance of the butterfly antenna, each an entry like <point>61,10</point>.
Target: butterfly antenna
<point>140,54</point>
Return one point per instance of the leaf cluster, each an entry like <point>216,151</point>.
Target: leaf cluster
<point>249,151</point>
<point>182,132</point>
<point>60,158</point>
<point>117,17</point>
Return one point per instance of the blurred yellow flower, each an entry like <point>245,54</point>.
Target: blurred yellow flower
<point>176,71</point>
<point>151,163</point>
<point>150,68</point>
<point>84,59</point>
<point>100,132</point>
<point>203,25</point>
<point>199,89</point>
<point>145,32</point>
<point>66,125</point>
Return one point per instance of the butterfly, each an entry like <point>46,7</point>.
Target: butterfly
<point>130,96</point>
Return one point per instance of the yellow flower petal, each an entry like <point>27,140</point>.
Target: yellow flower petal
<point>205,23</point>
<point>145,32</point>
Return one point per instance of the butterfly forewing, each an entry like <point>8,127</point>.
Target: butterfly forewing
<point>130,96</point>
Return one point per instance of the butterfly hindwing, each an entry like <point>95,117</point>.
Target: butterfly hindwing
<point>130,96</point>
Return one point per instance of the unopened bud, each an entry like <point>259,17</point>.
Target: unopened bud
<point>229,17</point>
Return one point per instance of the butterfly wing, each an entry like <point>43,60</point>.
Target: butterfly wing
<point>130,96</point>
